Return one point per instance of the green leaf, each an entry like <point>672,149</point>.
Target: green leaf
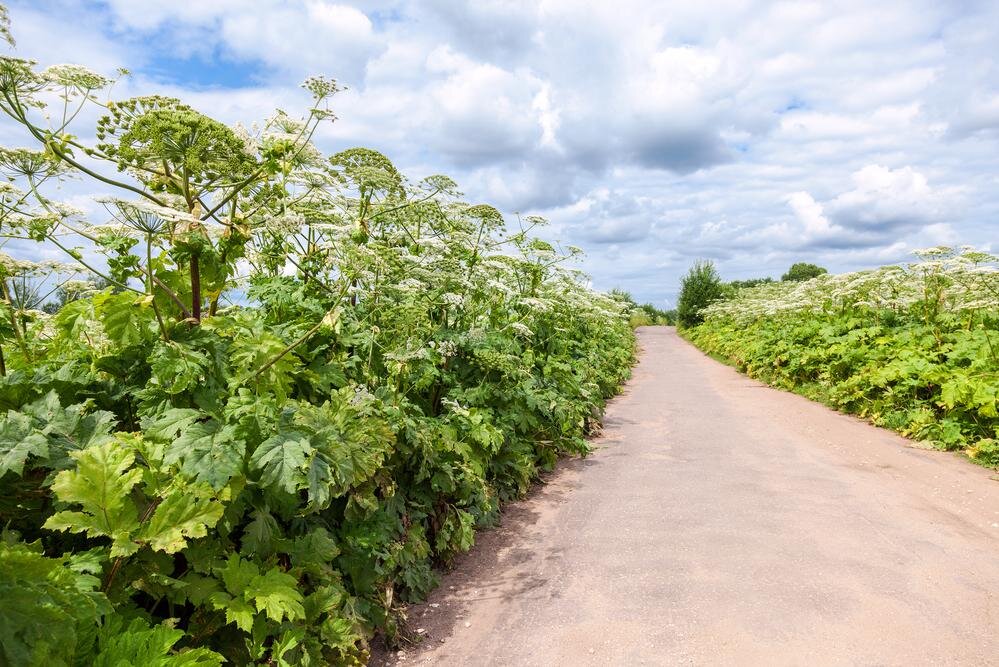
<point>259,358</point>
<point>276,594</point>
<point>137,643</point>
<point>282,459</point>
<point>186,512</point>
<point>261,534</point>
<point>48,431</point>
<point>198,589</point>
<point>167,425</point>
<point>48,612</point>
<point>127,317</point>
<point>286,643</point>
<point>177,367</point>
<point>315,547</point>
<point>238,611</point>
<point>237,574</point>
<point>18,441</point>
<point>339,632</point>
<point>90,561</point>
<point>207,452</point>
<point>100,485</point>
<point>74,317</point>
<point>986,397</point>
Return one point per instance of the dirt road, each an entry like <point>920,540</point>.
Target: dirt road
<point>723,522</point>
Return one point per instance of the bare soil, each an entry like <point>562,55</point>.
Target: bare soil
<point>723,522</point>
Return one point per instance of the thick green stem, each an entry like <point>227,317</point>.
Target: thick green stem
<point>195,289</point>
<point>18,334</point>
<point>149,286</point>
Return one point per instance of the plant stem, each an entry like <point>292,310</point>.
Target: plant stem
<point>306,336</point>
<point>195,289</point>
<point>149,285</point>
<point>18,334</point>
<point>173,295</point>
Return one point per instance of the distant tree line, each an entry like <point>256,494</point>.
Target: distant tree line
<point>644,314</point>
<point>702,285</point>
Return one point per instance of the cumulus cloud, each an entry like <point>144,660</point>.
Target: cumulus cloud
<point>289,38</point>
<point>883,204</point>
<point>751,132</point>
<point>886,199</point>
<point>611,218</point>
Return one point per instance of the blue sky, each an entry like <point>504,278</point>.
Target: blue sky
<point>651,134</point>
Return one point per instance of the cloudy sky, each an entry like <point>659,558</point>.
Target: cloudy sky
<point>650,133</point>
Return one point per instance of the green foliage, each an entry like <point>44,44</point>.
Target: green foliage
<point>43,434</point>
<point>303,383</point>
<point>912,349</point>
<point>137,643</point>
<point>986,452</point>
<point>751,282</point>
<point>640,315</point>
<point>100,485</point>
<point>48,609</point>
<point>800,271</point>
<point>699,288</point>
<point>248,592</point>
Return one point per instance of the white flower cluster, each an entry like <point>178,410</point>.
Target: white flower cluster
<point>10,266</point>
<point>285,222</point>
<point>955,280</point>
<point>77,287</point>
<point>521,329</point>
<point>539,305</point>
<point>453,300</point>
<point>145,216</point>
<point>361,396</point>
<point>250,144</point>
<point>74,76</point>
<point>445,348</point>
<point>455,407</point>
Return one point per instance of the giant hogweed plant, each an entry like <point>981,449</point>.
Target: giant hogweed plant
<point>912,347</point>
<point>304,382</point>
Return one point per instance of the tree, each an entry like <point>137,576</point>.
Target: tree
<point>751,282</point>
<point>644,314</point>
<point>801,271</point>
<point>699,288</point>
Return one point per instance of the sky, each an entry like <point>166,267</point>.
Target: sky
<point>651,134</point>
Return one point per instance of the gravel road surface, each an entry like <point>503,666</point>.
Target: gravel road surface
<point>723,522</point>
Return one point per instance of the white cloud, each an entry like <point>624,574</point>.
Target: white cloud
<point>757,133</point>
<point>810,213</point>
<point>883,205</point>
<point>886,199</point>
<point>297,39</point>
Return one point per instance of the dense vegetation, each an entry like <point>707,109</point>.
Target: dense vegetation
<point>277,388</point>
<point>912,348</point>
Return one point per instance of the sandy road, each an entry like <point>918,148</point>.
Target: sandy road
<point>723,522</point>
